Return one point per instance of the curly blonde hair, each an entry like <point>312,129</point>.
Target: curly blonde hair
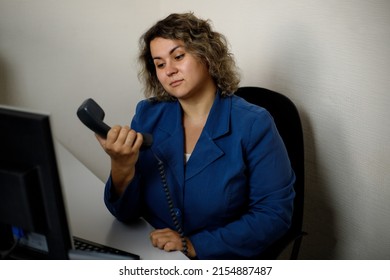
<point>200,40</point>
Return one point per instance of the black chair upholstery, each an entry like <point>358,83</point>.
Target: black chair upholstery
<point>288,122</point>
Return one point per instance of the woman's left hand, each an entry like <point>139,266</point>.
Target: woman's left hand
<point>170,240</point>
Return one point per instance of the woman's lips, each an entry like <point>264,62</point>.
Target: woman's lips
<point>176,83</point>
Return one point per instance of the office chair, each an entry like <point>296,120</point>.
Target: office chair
<point>288,122</point>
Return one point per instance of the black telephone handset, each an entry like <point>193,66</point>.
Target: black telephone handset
<point>92,115</point>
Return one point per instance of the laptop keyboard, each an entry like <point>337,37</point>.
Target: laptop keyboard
<point>89,246</point>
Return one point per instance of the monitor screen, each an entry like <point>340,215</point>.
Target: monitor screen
<point>31,200</point>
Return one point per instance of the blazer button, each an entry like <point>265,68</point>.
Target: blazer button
<point>177,213</point>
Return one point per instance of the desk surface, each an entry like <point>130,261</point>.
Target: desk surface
<point>90,219</point>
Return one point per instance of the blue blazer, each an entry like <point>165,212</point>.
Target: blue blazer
<point>234,196</point>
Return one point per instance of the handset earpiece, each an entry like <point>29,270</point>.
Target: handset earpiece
<point>92,116</point>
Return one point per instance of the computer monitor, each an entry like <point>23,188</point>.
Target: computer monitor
<point>31,199</point>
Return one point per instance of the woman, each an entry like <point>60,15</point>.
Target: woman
<point>217,182</point>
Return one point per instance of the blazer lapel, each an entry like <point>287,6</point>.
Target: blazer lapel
<point>217,125</point>
<point>171,149</point>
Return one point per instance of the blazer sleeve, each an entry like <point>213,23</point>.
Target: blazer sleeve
<point>271,194</point>
<point>128,206</point>
<point>125,208</point>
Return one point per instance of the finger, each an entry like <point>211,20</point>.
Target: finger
<point>171,243</point>
<point>170,246</point>
<point>166,239</point>
<point>123,134</point>
<point>153,240</point>
<point>160,242</point>
<point>113,133</point>
<point>131,138</point>
<point>138,141</point>
<point>163,230</point>
<point>159,238</point>
<point>101,140</point>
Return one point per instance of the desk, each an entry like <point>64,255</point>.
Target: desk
<point>89,218</point>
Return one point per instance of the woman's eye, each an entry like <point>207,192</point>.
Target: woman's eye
<point>160,65</point>
<point>179,57</point>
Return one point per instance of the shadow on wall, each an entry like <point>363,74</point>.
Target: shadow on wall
<point>319,219</point>
<point>3,99</point>
<point>294,73</point>
<point>6,82</point>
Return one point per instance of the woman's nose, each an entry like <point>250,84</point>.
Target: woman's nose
<point>170,69</point>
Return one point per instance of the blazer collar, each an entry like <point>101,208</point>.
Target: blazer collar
<point>171,150</point>
<point>218,121</point>
<point>206,151</point>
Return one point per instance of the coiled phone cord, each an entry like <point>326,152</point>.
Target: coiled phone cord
<point>168,196</point>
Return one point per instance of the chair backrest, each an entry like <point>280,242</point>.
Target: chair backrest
<point>288,122</point>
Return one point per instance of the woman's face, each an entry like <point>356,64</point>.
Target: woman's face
<point>180,73</point>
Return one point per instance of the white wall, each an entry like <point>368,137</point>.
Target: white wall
<point>330,57</point>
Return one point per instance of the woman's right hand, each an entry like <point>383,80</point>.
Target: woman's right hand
<point>122,145</point>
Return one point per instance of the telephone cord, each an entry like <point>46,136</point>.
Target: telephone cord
<point>168,196</point>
